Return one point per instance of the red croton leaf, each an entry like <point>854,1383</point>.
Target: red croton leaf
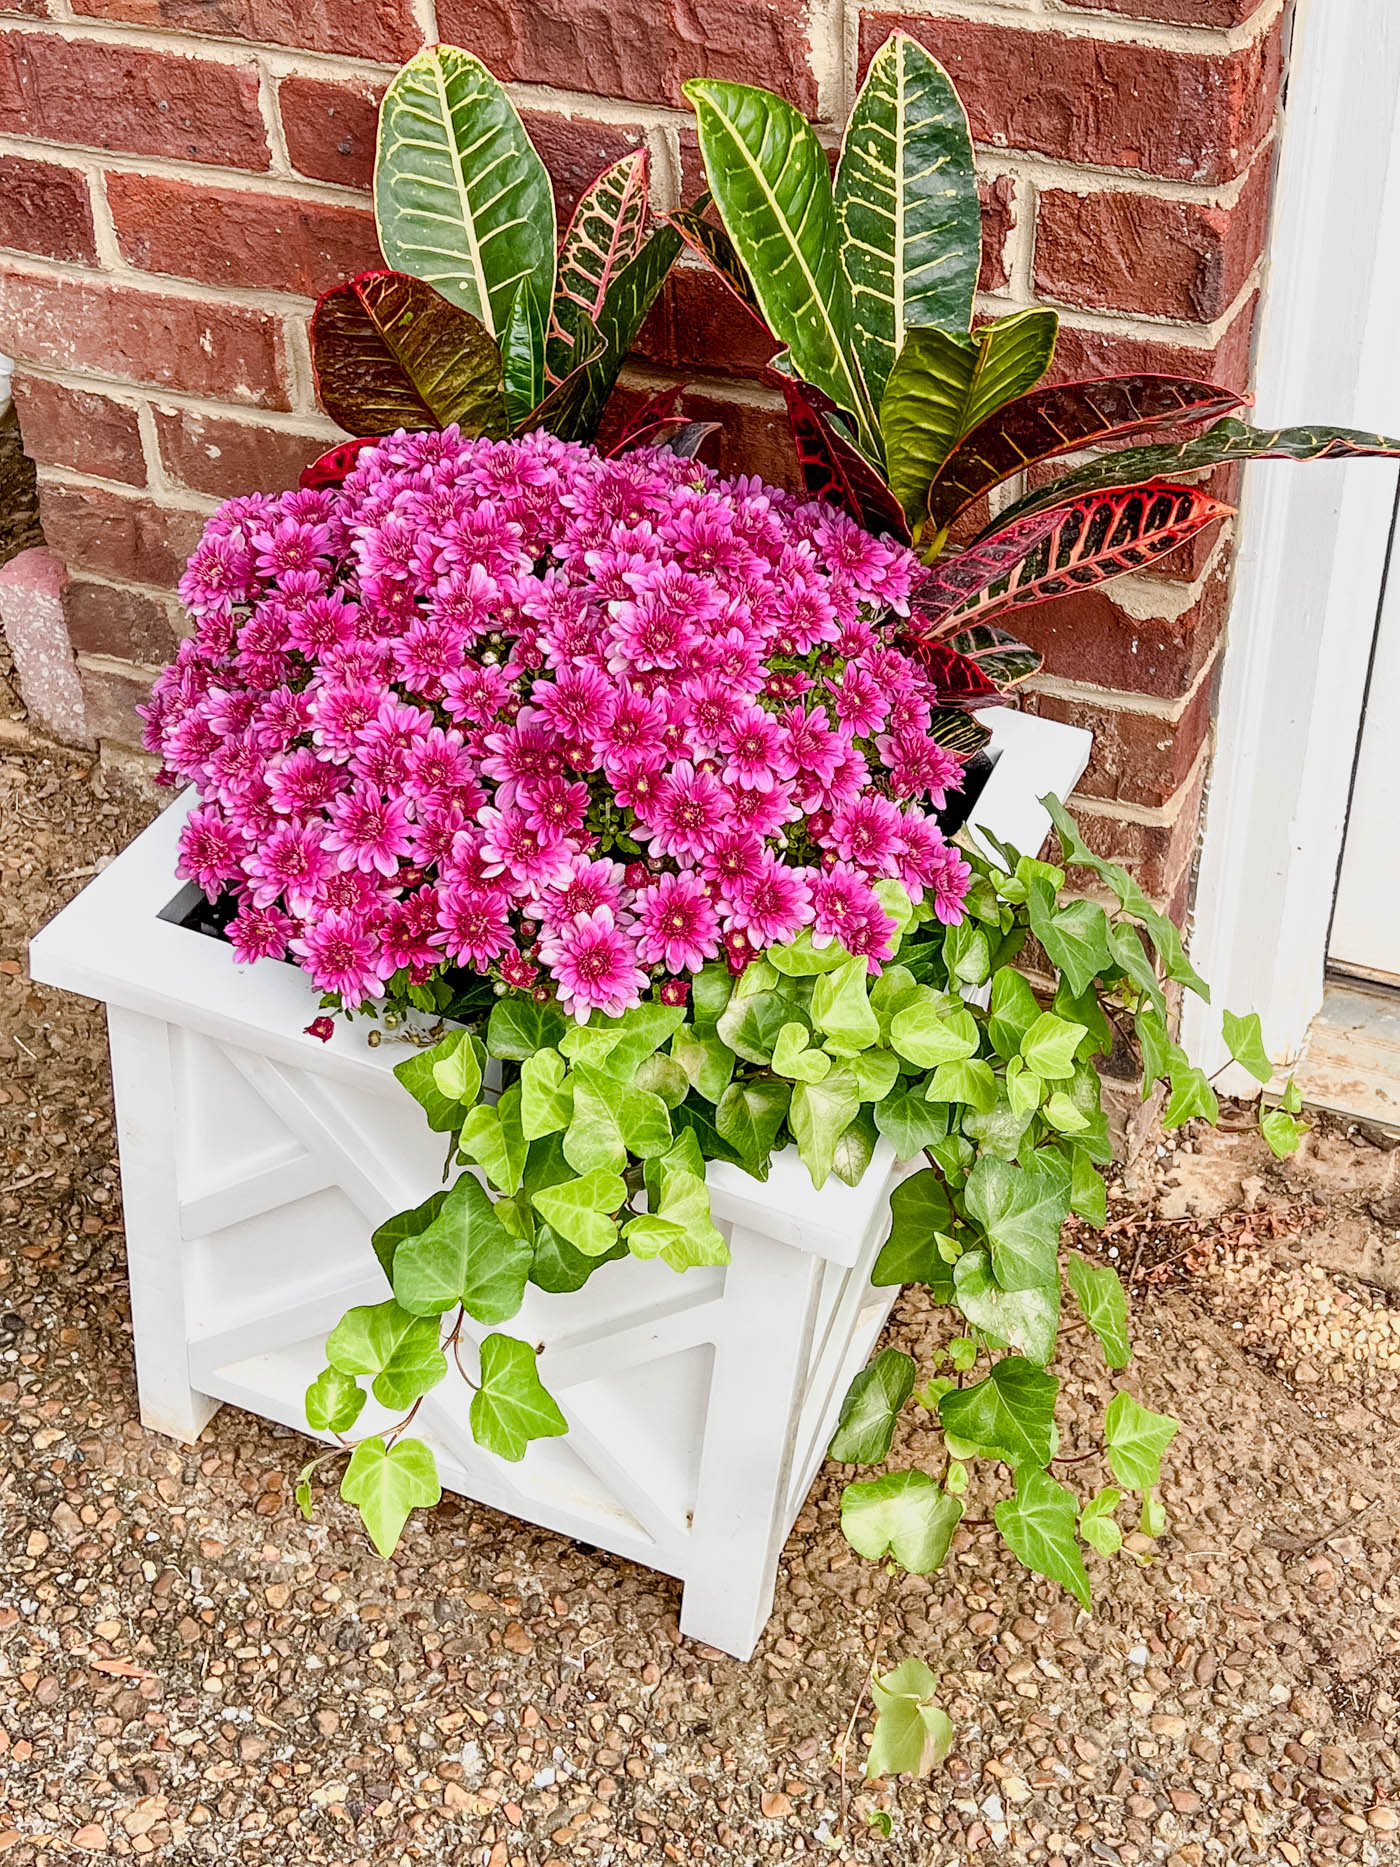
<point>833,468</point>
<point>330,468</point>
<point>1087,542</point>
<point>1049,422</point>
<point>958,679</point>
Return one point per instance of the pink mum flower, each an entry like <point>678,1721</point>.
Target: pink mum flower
<point>753,749</point>
<point>291,862</point>
<point>342,954</point>
<point>595,965</point>
<point>259,933</point>
<point>475,923</point>
<point>770,906</point>
<point>369,830</point>
<point>687,813</point>
<point>525,857</point>
<point>211,851</point>
<point>676,924</point>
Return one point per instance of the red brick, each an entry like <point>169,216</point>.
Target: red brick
<point>1137,758</point>
<point>1191,116</point>
<point>227,236</point>
<point>45,208</point>
<point>127,625</point>
<point>1175,12</point>
<point>1083,351</point>
<point>228,351</point>
<point>111,697</point>
<point>224,458</point>
<point>1158,854</point>
<point>637,48</point>
<point>330,128</point>
<point>1170,259</point>
<point>216,455</point>
<point>32,9</point>
<point>999,209</point>
<point>1087,637</point>
<point>380,29</point>
<point>752,439</point>
<point>74,428</point>
<point>118,534</point>
<point>123,97</point>
<point>697,324</point>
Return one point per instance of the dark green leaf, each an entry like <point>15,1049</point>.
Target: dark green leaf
<point>1026,1320</point>
<point>910,1123</point>
<point>1098,1290</point>
<point>465,1255</point>
<point>866,1424</point>
<point>919,1210</point>
<point>519,1027</point>
<point>750,1115</point>
<point>1039,1527</point>
<point>1009,1416</point>
<point>559,1266</point>
<point>1022,1210</point>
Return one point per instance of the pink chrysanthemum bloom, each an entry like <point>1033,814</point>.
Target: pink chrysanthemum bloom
<point>586,885</point>
<point>291,863</point>
<point>342,953</point>
<point>842,900</point>
<point>523,856</point>
<point>677,926</point>
<point>259,933</point>
<point>595,966</point>
<point>689,810</point>
<point>753,750</point>
<point>369,830</point>
<point>771,906</point>
<point>412,936</point>
<point>475,923</point>
<point>866,832</point>
<point>211,851</point>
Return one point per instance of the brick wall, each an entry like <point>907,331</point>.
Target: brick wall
<point>179,177</point>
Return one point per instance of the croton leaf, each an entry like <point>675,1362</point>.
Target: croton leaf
<point>943,385</point>
<point>906,203</point>
<point>957,731</point>
<point>1059,420</point>
<point>606,232</point>
<point>461,198</point>
<point>715,247</point>
<point>960,579</point>
<point>1100,536</point>
<point>1221,446</point>
<point>573,347</point>
<point>959,681</point>
<point>833,468</point>
<point>772,185</point>
<point>522,342</point>
<point>659,412</point>
<point>1000,657</point>
<point>390,352</point>
<point>330,468</point>
<point>631,293</point>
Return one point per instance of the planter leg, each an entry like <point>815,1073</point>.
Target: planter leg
<point>144,1090</point>
<point>760,1375</point>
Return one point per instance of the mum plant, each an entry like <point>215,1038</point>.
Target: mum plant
<point>629,794</point>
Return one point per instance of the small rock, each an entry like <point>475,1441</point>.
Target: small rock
<point>92,1838</point>
<point>774,1804</point>
<point>1334,1763</point>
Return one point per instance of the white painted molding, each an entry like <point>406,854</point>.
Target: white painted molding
<point>1313,538</point>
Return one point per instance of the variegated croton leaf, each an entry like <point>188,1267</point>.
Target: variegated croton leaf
<point>999,656</point>
<point>1221,446</point>
<point>1086,542</point>
<point>833,467</point>
<point>606,233</point>
<point>330,468</point>
<point>1048,422</point>
<point>391,352</point>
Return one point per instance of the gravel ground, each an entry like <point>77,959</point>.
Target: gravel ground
<point>191,1673</point>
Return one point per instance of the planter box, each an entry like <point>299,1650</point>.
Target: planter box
<point>256,1161</point>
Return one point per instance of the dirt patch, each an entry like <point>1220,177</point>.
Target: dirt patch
<point>189,1672</point>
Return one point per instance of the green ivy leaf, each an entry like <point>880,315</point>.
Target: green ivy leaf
<point>1038,1525</point>
<point>1027,1320</point>
<point>750,1114</point>
<point>512,1406</point>
<point>919,1210</point>
<point>661,1076</point>
<point>750,1025</point>
<point>1021,1210</point>
<point>1153,1518</point>
<point>818,1116</point>
<point>1244,1037</point>
<point>1161,1058</point>
<point>855,1149</point>
<point>1009,1416</point>
<point>1088,1196</point>
<point>1098,1290</point>
<point>925,1034</point>
<point>970,1081</point>
<point>492,1137</point>
<point>333,1402</point>
<point>398,1349</point>
<point>876,1073</point>
<point>464,1256</point>
<point>799,958</point>
<point>708,1063</point>
<point>1292,1098</point>
<point>1049,1046</point>
<point>1085,1009</point>
<point>911,1733</point>
<point>1191,1095</point>
<point>1000,1130</point>
<point>594,1139</point>
<point>546,1095</point>
<point>1283,1133</point>
<point>710,991</point>
<point>642,1119</point>
<point>581,1210</point>
<point>793,1058</point>
<point>519,1027</point>
<point>1135,1439</point>
<point>558,1266</point>
<point>387,1238</point>
<point>904,1514</point>
<point>841,1009</point>
<point>1097,1525</point>
<point>1075,938</point>
<point>681,1229</point>
<point>1130,956</point>
<point>636,1035</point>
<point>894,990</point>
<point>1063,1116</point>
<point>444,1099</point>
<point>967,953</point>
<point>908,1121</point>
<point>1013,1010</point>
<point>866,1424</point>
<point>385,1483</point>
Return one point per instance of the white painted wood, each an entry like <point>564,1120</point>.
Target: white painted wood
<point>1365,935</point>
<point>256,1161</point>
<point>1313,538</point>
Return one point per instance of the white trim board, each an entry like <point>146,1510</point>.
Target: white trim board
<point>1313,538</point>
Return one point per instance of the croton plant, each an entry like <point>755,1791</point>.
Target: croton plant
<point>629,794</point>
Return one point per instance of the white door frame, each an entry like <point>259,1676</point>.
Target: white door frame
<point>1313,537</point>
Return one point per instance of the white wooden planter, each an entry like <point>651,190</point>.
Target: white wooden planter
<point>257,1160</point>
